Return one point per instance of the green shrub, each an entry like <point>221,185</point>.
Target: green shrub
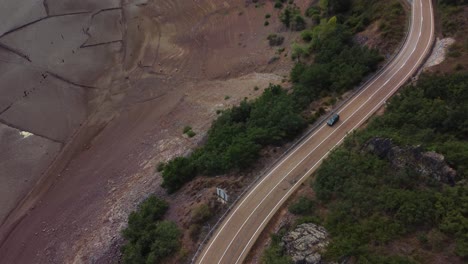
<point>148,239</point>
<point>275,40</point>
<point>201,214</point>
<point>191,134</point>
<point>308,219</point>
<point>275,254</point>
<point>279,4</point>
<point>177,172</point>
<point>307,35</point>
<point>302,206</point>
<point>291,18</point>
<point>339,64</point>
<point>187,129</point>
<point>298,23</point>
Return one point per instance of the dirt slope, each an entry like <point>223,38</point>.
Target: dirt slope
<point>103,89</point>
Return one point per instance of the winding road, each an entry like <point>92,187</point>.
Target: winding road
<point>234,238</point>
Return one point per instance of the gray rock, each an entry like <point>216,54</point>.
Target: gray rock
<point>305,243</point>
<point>428,164</point>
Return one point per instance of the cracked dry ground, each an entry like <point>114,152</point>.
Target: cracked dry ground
<point>95,93</point>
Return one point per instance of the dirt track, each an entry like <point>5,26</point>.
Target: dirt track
<point>104,88</point>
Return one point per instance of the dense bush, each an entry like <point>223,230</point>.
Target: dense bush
<point>370,203</point>
<point>236,137</point>
<point>148,239</point>
<point>275,40</point>
<point>339,63</point>
<point>302,206</point>
<point>452,2</point>
<point>291,18</point>
<point>201,214</point>
<point>275,254</point>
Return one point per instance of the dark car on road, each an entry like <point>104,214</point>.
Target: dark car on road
<point>333,120</point>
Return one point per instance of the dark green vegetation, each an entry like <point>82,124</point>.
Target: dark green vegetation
<point>274,254</point>
<point>291,18</point>
<point>189,132</point>
<point>359,14</point>
<point>370,204</point>
<point>235,139</point>
<point>339,64</point>
<point>452,2</point>
<point>303,206</point>
<point>149,239</point>
<point>362,13</point>
<point>452,16</point>
<point>275,40</point>
<point>279,3</point>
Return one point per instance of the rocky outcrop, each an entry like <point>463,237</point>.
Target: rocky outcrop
<point>429,163</point>
<point>305,243</point>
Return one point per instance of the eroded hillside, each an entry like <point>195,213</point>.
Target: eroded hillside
<point>96,93</point>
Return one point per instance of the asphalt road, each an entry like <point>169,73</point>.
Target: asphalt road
<point>238,232</point>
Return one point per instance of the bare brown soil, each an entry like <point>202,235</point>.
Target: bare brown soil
<point>105,88</point>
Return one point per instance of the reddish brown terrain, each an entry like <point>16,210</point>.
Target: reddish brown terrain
<point>95,93</point>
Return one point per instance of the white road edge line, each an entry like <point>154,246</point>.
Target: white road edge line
<point>339,142</point>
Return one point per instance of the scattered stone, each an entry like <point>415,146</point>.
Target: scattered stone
<point>439,52</point>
